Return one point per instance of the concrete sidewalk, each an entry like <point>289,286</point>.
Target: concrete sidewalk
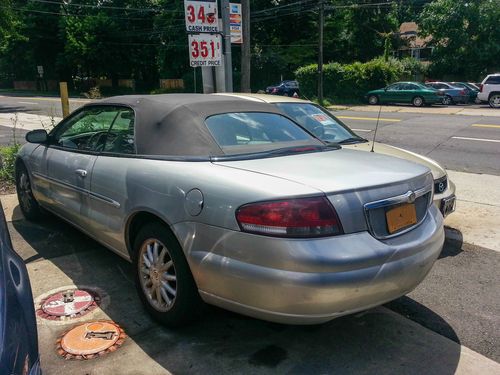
<point>477,217</point>
<point>450,110</point>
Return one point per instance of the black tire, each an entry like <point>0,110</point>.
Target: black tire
<point>186,303</point>
<point>27,202</point>
<point>418,101</point>
<point>447,100</point>
<point>494,100</point>
<point>373,100</point>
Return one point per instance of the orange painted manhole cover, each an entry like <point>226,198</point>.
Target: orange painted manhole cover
<point>89,340</point>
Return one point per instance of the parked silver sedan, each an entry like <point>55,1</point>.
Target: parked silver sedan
<point>227,201</point>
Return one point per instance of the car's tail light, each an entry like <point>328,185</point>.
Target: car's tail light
<point>275,90</point>
<point>462,92</point>
<point>481,87</point>
<point>300,217</point>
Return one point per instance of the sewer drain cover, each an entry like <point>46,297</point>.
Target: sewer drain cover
<point>90,340</point>
<point>68,304</point>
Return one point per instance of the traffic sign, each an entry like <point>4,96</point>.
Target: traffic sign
<point>201,16</point>
<point>205,50</point>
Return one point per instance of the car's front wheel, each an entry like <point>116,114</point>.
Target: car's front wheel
<point>163,278</point>
<point>494,101</point>
<point>373,99</point>
<point>418,101</point>
<point>27,202</point>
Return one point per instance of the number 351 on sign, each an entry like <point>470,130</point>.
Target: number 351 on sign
<point>205,50</point>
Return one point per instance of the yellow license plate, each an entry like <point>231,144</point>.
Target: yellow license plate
<point>401,217</point>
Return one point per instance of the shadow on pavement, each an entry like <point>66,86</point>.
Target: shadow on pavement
<point>375,341</point>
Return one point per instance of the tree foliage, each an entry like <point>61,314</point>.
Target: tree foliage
<point>146,39</point>
<point>465,36</point>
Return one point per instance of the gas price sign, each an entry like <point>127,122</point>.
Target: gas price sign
<point>205,50</point>
<point>201,16</point>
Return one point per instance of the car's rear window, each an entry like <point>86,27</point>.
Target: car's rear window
<point>493,80</point>
<point>245,130</point>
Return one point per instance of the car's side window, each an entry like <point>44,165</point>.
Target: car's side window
<point>394,87</point>
<point>86,130</point>
<point>120,138</point>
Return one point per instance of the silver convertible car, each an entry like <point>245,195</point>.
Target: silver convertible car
<point>228,201</point>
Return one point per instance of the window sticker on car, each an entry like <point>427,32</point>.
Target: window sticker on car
<point>323,119</point>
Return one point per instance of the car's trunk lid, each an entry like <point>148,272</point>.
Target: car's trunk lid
<point>334,171</point>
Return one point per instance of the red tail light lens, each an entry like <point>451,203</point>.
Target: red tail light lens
<point>481,87</point>
<point>462,92</point>
<point>299,218</point>
<point>275,90</point>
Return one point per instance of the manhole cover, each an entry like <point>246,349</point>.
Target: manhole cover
<point>68,304</point>
<point>90,340</point>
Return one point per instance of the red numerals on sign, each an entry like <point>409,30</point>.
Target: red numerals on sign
<point>201,14</point>
<point>191,15</point>
<point>204,49</point>
<point>195,52</point>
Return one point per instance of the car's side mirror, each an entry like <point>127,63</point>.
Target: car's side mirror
<point>37,136</point>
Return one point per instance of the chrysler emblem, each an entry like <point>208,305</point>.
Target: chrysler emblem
<point>411,197</point>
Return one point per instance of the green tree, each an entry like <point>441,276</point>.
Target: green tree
<point>465,37</point>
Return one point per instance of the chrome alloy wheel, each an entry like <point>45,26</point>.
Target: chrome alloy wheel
<point>24,191</point>
<point>157,275</point>
<point>494,101</point>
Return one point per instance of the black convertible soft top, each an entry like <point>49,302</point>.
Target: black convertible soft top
<point>174,124</point>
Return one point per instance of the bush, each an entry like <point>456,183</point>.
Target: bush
<point>349,82</point>
<point>8,156</point>
<point>168,91</point>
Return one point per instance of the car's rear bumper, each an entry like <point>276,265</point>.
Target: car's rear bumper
<point>309,281</point>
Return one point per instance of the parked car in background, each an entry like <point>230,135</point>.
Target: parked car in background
<point>471,90</point>
<point>285,88</point>
<point>490,90</point>
<point>229,201</point>
<point>18,333</point>
<point>451,94</point>
<point>405,92</point>
<point>329,128</point>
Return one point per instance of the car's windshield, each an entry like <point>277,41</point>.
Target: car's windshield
<point>247,132</point>
<point>317,121</point>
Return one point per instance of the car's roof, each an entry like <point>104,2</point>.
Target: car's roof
<point>162,120</point>
<point>263,98</point>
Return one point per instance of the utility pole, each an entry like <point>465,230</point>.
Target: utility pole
<point>320,51</point>
<point>245,47</point>
<point>226,29</point>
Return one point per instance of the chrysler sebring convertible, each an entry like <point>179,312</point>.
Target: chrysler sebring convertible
<point>330,129</point>
<point>227,201</point>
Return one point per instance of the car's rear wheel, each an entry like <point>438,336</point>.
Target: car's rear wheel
<point>447,100</point>
<point>418,101</point>
<point>373,99</point>
<point>27,202</point>
<point>163,278</point>
<point>494,101</point>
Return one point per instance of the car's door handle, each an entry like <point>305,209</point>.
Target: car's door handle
<point>81,172</point>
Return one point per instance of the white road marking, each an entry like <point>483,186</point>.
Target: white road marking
<point>478,139</point>
<point>29,103</point>
<point>361,130</point>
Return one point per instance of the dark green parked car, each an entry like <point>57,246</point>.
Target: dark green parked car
<point>405,92</point>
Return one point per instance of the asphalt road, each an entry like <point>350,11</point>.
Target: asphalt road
<point>458,142</point>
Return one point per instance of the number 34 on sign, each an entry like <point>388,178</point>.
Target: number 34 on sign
<point>205,50</point>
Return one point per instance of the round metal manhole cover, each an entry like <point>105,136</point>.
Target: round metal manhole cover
<point>68,304</point>
<point>90,340</point>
